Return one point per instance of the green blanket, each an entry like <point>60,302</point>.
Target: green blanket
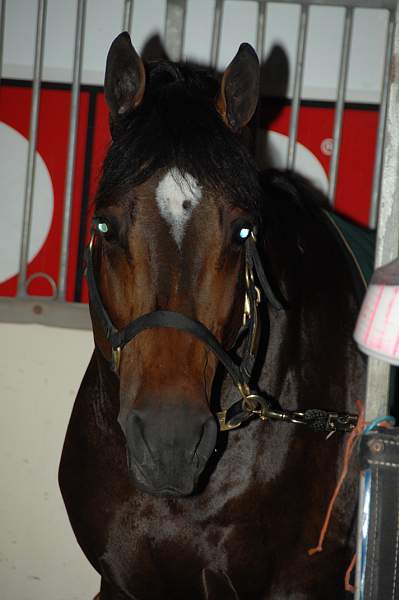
<point>360,242</point>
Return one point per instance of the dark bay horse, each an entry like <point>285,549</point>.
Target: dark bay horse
<point>166,503</point>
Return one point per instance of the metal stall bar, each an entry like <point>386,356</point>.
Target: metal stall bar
<point>216,32</point>
<point>387,243</point>
<point>73,129</point>
<point>340,104</point>
<point>387,248</point>
<point>261,31</point>
<point>31,161</point>
<point>2,25</point>
<point>175,23</point>
<point>381,124</point>
<point>128,16</point>
<point>371,4</point>
<point>296,98</point>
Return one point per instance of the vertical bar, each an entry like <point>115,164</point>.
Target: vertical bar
<point>73,129</point>
<point>31,160</point>
<point>261,30</point>
<point>175,24</point>
<point>296,97</point>
<point>387,248</point>
<point>127,16</point>
<point>2,25</point>
<point>216,32</point>
<point>339,106</point>
<point>381,124</point>
<point>387,242</point>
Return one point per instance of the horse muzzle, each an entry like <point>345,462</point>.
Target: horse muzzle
<point>169,447</point>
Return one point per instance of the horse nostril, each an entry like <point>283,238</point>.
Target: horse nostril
<point>207,442</point>
<point>135,438</point>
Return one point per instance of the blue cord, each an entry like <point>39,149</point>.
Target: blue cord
<point>376,422</point>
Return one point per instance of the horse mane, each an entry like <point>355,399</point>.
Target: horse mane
<point>177,125</point>
<point>290,187</point>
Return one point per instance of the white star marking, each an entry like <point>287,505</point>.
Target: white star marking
<point>177,194</point>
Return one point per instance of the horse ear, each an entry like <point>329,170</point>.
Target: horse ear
<point>124,83</point>
<point>239,90</point>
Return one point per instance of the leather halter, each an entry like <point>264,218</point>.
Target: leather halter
<point>240,374</point>
<point>251,403</point>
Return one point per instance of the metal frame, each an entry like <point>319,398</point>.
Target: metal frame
<point>2,26</point>
<point>387,248</point>
<point>127,19</point>
<point>296,97</point>
<point>73,131</point>
<point>174,28</point>
<point>372,4</point>
<point>340,104</point>
<point>40,310</point>
<point>33,130</point>
<point>216,32</point>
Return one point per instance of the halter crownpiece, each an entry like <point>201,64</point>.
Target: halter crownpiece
<point>251,404</point>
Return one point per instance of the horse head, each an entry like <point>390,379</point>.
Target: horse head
<point>179,194</point>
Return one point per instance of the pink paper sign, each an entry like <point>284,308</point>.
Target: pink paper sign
<point>377,327</point>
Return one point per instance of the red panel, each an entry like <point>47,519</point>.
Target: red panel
<point>357,152</point>
<point>52,143</point>
<point>355,176</point>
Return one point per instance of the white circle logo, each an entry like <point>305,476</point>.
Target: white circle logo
<point>13,156</point>
<point>306,163</point>
<point>327,146</point>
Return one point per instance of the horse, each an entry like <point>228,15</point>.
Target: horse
<point>223,306</point>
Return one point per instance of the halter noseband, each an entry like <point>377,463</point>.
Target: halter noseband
<point>251,403</point>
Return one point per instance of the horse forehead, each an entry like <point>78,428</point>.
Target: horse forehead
<point>177,194</point>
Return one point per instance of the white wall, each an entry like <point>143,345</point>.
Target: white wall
<point>40,372</point>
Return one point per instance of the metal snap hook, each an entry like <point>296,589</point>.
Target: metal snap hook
<point>116,358</point>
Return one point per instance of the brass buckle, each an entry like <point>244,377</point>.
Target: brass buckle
<point>249,281</point>
<point>245,392</point>
<point>222,422</point>
<point>253,403</point>
<point>247,310</point>
<point>116,358</point>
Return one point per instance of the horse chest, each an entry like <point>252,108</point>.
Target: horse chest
<point>177,539</point>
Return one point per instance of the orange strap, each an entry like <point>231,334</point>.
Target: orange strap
<point>347,456</point>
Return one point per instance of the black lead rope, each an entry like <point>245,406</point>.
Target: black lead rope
<point>315,419</point>
<point>251,404</point>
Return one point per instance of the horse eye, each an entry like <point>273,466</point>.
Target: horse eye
<point>102,227</point>
<point>244,233</point>
<point>241,233</point>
